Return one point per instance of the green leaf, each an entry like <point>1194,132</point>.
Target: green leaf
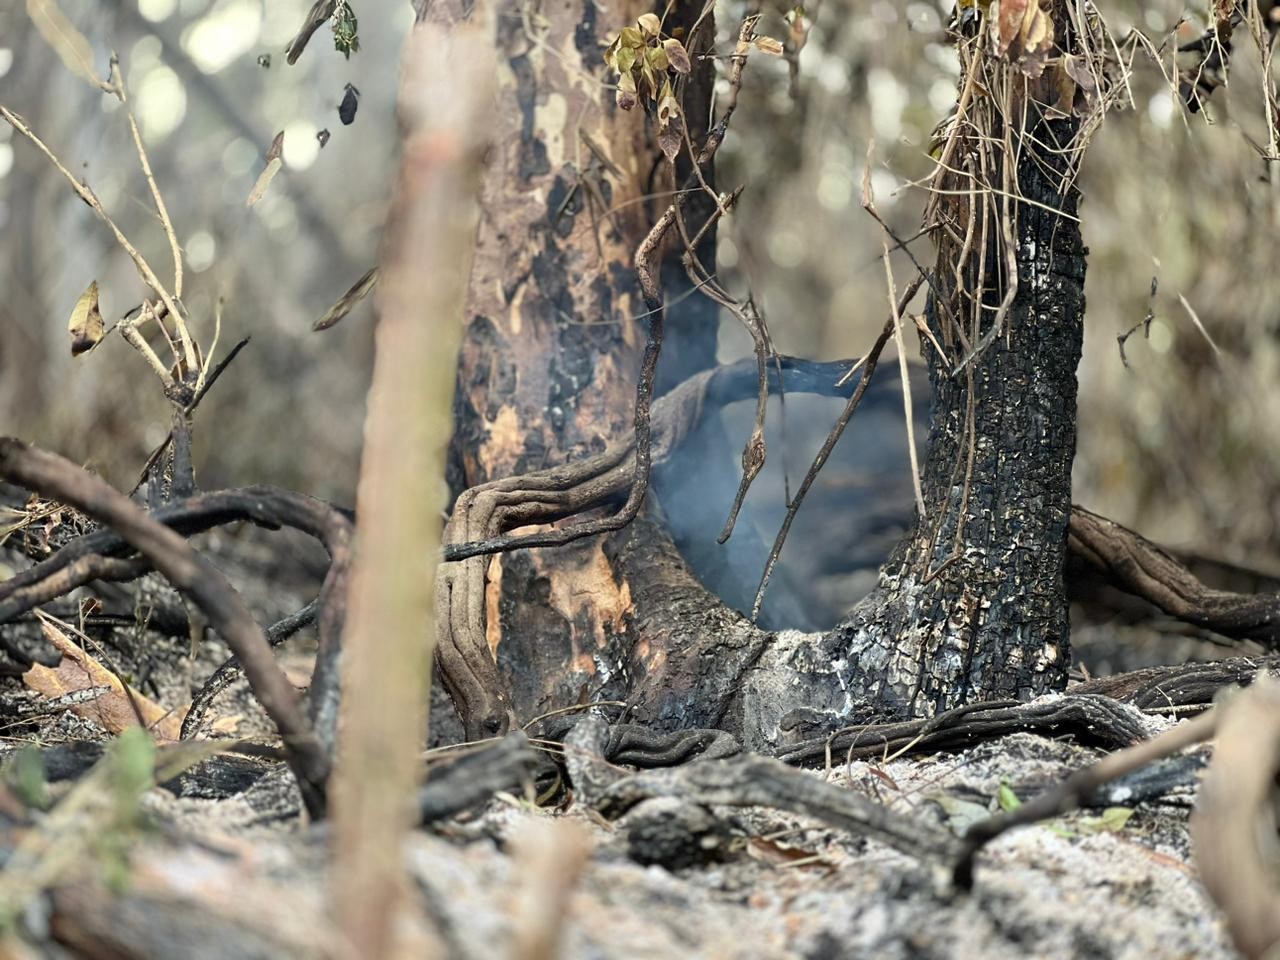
<point>346,35</point>
<point>632,37</point>
<point>1113,820</point>
<point>1007,799</point>
<point>626,59</point>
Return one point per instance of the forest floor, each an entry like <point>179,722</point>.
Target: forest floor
<point>220,862</point>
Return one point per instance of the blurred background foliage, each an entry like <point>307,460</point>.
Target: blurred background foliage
<point>1183,443</point>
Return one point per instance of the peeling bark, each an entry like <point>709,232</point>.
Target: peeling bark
<point>547,372</point>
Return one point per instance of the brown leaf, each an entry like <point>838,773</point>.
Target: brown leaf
<point>669,137</point>
<point>345,303</point>
<point>276,148</point>
<point>117,709</point>
<point>86,325</point>
<point>677,55</point>
<point>768,45</point>
<point>1008,23</point>
<point>1064,93</point>
<point>1024,35</point>
<point>650,24</point>
<point>1078,69</point>
<point>626,96</point>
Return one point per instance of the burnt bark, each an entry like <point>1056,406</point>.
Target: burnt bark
<point>548,369</point>
<point>971,606</point>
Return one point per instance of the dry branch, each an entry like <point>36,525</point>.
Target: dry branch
<point>741,781</point>
<point>1077,788</point>
<point>445,94</point>
<point>1141,568</point>
<point>59,479</point>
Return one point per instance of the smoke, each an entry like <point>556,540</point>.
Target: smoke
<point>859,507</point>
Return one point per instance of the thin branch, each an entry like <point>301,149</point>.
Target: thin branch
<point>117,83</point>
<point>319,13</point>
<point>89,197</point>
<point>869,363</point>
<point>1073,791</point>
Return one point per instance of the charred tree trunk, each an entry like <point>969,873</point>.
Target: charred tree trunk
<point>972,605</point>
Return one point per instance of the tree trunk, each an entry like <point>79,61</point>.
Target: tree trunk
<point>971,606</point>
<point>551,354</point>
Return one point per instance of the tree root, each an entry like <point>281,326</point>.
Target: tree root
<point>665,696</point>
<point>1135,565</point>
<point>740,781</point>
<point>1090,717</point>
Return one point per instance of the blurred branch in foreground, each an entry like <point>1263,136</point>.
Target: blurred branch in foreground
<point>445,94</point>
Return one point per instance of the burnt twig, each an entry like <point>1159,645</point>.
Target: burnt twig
<point>230,669</point>
<point>1074,791</point>
<point>869,366</point>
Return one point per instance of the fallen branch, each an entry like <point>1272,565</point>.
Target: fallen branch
<point>1097,718</point>
<point>1077,788</point>
<point>746,780</point>
<point>1137,566</point>
<point>56,478</point>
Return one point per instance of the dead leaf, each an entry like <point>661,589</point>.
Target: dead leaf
<point>85,326</point>
<point>118,708</point>
<point>768,45</point>
<point>274,163</point>
<point>1008,23</point>
<point>345,303</point>
<point>650,24</point>
<point>347,108</point>
<point>677,56</point>
<point>669,137</point>
<point>1064,93</point>
<point>228,724</point>
<point>626,95</point>
<point>1024,35</point>
<point>264,180</point>
<point>277,147</point>
<point>1078,69</point>
<point>784,855</point>
<point>61,34</point>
